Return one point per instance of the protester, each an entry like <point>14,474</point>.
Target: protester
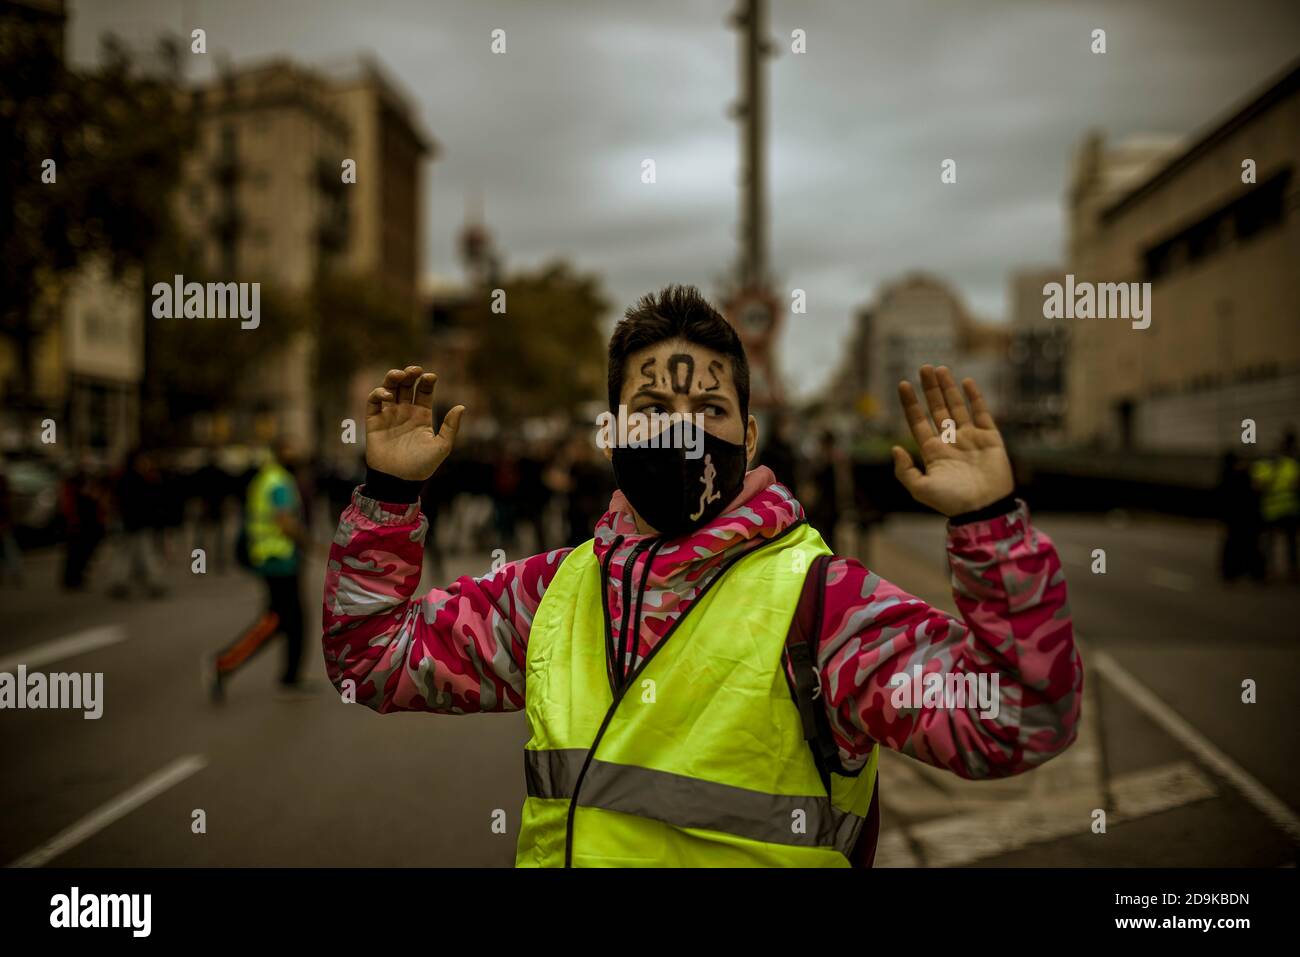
<point>276,538</point>
<point>211,486</point>
<point>533,495</point>
<point>779,453</point>
<point>1239,511</point>
<point>583,483</point>
<point>832,488</point>
<point>1278,482</point>
<point>82,502</point>
<point>140,505</point>
<point>687,704</point>
<point>506,482</point>
<point>11,558</point>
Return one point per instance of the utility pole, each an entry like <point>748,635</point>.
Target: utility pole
<point>751,306</point>
<point>751,20</point>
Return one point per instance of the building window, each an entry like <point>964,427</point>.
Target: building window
<point>1263,207</point>
<point>1260,209</point>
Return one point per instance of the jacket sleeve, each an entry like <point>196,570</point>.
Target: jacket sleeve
<point>1014,629</point>
<point>455,650</point>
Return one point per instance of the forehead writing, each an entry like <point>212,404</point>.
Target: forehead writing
<point>681,370</point>
<point>714,368</point>
<point>676,373</point>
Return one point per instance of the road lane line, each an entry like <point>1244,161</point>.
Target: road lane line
<point>1169,579</point>
<point>75,644</point>
<point>1142,697</point>
<point>114,810</point>
<point>963,839</point>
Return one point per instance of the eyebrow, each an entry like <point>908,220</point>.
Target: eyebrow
<point>715,397</point>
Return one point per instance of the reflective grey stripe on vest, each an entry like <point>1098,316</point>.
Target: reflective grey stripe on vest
<point>689,802</point>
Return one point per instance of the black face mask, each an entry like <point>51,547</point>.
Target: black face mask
<point>676,494</point>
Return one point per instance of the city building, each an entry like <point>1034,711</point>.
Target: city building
<point>1212,225</point>
<point>1036,359</point>
<point>84,333</point>
<point>385,206</point>
<point>915,320</point>
<point>264,199</point>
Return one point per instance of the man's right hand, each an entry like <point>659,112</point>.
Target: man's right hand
<point>399,426</point>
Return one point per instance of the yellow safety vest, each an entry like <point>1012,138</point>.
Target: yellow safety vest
<point>1279,478</point>
<point>700,760</point>
<point>266,540</point>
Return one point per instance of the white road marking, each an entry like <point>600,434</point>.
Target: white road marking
<point>1269,804</point>
<point>75,644</point>
<point>114,810</point>
<point>962,839</point>
<point>1167,579</point>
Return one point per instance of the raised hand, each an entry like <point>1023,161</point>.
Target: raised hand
<point>399,426</point>
<point>959,476</point>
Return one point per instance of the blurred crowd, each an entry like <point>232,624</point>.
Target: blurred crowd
<point>159,504</point>
<point>513,495</point>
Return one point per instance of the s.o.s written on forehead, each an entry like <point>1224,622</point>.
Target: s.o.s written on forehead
<point>681,371</point>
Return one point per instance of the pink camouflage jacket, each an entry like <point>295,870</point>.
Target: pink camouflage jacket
<point>461,649</point>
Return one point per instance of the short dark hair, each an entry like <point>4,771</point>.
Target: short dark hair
<point>676,312</point>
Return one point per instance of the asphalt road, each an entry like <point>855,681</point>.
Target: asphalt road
<point>320,782</point>
<point>1167,647</point>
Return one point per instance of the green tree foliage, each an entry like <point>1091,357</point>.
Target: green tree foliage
<point>197,365</point>
<point>357,323</point>
<point>116,137</point>
<point>546,353</point>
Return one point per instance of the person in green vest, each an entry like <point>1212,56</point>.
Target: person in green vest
<point>705,683</point>
<point>274,538</point>
<point>1277,480</point>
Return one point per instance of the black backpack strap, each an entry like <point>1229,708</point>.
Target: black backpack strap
<point>802,673</point>
<point>804,679</point>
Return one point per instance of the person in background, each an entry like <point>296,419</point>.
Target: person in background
<point>533,494</point>
<point>81,501</point>
<point>1239,511</point>
<point>585,483</point>
<point>277,542</point>
<point>140,506</point>
<point>11,559</point>
<point>168,494</point>
<point>1278,482</point>
<point>211,487</point>
<point>832,482</point>
<point>506,480</point>
<point>778,453</point>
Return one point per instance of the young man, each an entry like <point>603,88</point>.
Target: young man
<point>276,536</point>
<point>652,659</point>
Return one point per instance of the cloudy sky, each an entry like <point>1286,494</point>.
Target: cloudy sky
<point>552,134</point>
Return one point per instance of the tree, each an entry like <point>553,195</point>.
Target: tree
<point>198,365</point>
<point>116,139</point>
<point>546,352</point>
<point>357,323</point>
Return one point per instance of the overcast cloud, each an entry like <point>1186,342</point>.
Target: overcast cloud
<point>553,133</point>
